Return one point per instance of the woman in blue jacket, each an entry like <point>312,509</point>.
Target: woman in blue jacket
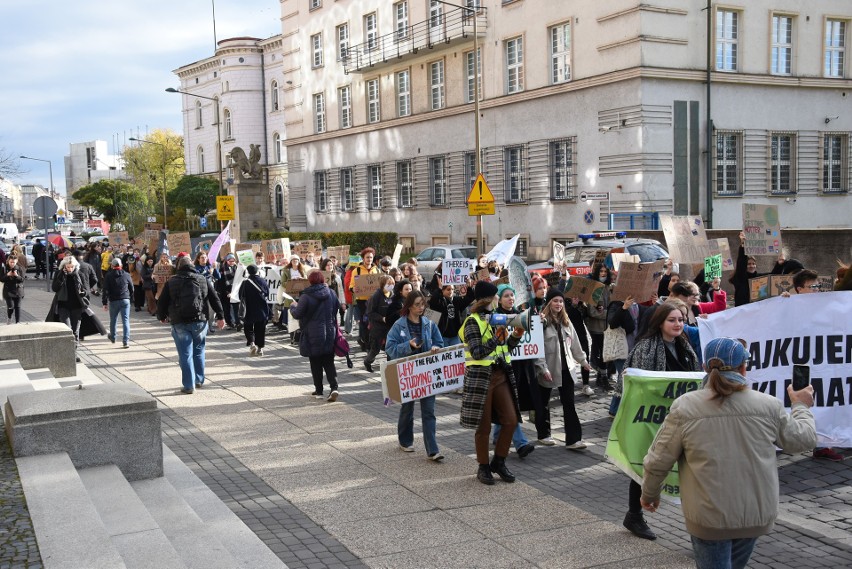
<point>415,334</point>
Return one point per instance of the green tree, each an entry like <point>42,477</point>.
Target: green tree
<point>117,200</point>
<point>195,194</point>
<point>148,164</point>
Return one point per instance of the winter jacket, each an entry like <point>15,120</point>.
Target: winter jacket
<point>650,354</point>
<point>209,299</point>
<point>70,288</point>
<point>316,312</point>
<point>117,286</point>
<point>225,282</point>
<point>13,286</point>
<point>147,275</point>
<point>553,355</point>
<point>377,312</point>
<point>726,457</point>
<point>397,344</point>
<point>452,311</point>
<point>254,298</point>
<point>740,278</point>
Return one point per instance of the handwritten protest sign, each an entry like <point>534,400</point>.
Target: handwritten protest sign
<point>227,249</point>
<point>826,283</point>
<point>589,291</point>
<point>481,275</point>
<point>558,257</point>
<point>243,246</point>
<point>179,242</point>
<point>618,258</point>
<point>423,375</point>
<point>762,229</point>
<point>308,246</point>
<point>153,226</point>
<point>327,275</point>
<point>531,345</point>
<point>769,286</point>
<point>365,285</point>
<point>118,238</point>
<point>686,238</point>
<point>432,315</point>
<point>245,257</point>
<point>600,257</point>
<point>275,249</point>
<point>454,271</point>
<point>713,267</point>
<point>162,272</point>
<point>294,287</point>
<point>397,251</point>
<point>203,246</point>
<point>721,247</point>
<point>339,252</point>
<point>639,280</point>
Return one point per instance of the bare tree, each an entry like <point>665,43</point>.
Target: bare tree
<point>9,165</point>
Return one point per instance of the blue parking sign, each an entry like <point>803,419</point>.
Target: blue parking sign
<point>204,223</point>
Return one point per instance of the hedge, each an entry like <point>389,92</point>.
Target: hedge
<point>383,242</point>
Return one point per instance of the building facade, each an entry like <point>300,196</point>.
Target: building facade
<point>11,204</point>
<point>87,163</point>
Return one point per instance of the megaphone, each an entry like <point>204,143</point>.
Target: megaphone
<point>520,320</point>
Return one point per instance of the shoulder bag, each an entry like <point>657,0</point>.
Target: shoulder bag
<point>615,344</point>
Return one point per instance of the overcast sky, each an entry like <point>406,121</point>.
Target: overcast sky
<point>88,69</point>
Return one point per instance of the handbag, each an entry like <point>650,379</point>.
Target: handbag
<point>614,344</point>
<point>341,346</point>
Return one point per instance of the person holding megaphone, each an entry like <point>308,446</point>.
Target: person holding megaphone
<point>489,384</point>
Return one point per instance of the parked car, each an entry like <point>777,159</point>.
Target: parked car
<point>35,233</point>
<point>580,254</point>
<point>102,239</point>
<point>31,262</point>
<point>429,259</point>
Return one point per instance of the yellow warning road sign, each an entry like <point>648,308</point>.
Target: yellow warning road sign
<point>480,209</point>
<point>225,208</point>
<point>480,193</point>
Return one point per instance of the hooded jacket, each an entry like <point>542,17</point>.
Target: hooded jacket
<point>117,286</point>
<point>316,312</point>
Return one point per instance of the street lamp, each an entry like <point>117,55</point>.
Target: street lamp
<point>218,129</point>
<point>163,146</point>
<point>49,164</point>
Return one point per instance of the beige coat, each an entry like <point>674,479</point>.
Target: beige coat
<point>552,361</point>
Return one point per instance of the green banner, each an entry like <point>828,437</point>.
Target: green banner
<point>644,405</point>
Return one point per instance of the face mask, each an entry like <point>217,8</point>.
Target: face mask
<point>388,288</point>
<point>602,279</point>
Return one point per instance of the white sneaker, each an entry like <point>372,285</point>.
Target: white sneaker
<point>588,391</point>
<point>252,350</point>
<point>332,397</point>
<point>259,352</point>
<point>579,445</point>
<point>548,442</point>
<point>407,449</point>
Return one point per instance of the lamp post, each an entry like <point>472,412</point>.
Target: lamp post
<point>163,146</point>
<point>218,131</point>
<point>114,193</point>
<point>46,230</point>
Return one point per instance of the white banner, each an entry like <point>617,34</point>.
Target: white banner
<point>810,329</point>
<point>423,375</point>
<point>531,346</point>
<point>269,272</point>
<point>503,250</point>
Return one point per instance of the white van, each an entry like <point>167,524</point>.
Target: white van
<point>9,232</point>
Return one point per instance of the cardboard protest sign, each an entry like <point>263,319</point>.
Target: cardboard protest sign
<point>245,257</point>
<point>758,288</point>
<point>686,238</point>
<point>162,272</point>
<point>721,247</point>
<point>327,275</point>
<point>768,286</point>
<point>309,246</point>
<point>826,283</point>
<point>762,229</point>
<point>618,258</point>
<point>639,280</point>
<point>179,242</point>
<point>243,246</point>
<point>713,267</point>
<point>558,257</point>
<point>339,252</point>
<point>423,375</point>
<point>600,257</point>
<point>294,287</point>
<point>432,315</point>
<point>275,249</point>
<point>204,246</point>
<point>531,345</point>
<point>454,271</point>
<point>118,238</point>
<point>502,280</point>
<point>397,251</point>
<point>227,249</point>
<point>481,275</point>
<point>365,285</point>
<point>589,291</point>
<point>153,226</point>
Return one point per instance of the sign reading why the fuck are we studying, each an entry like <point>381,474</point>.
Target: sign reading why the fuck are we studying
<point>423,375</point>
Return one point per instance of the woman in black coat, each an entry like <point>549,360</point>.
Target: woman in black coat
<point>254,292</point>
<point>316,311</point>
<point>378,308</point>
<point>12,278</point>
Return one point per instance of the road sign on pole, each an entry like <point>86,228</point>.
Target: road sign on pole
<point>225,208</point>
<point>480,192</point>
<point>480,209</point>
<point>594,196</point>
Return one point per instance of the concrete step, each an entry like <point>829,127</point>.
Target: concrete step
<point>132,530</point>
<point>85,376</point>
<point>69,531</point>
<point>42,379</point>
<point>248,549</point>
<point>13,379</point>
<point>195,543</point>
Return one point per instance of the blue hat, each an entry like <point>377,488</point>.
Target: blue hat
<point>725,354</point>
<point>503,288</point>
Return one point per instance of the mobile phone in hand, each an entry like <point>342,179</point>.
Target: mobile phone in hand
<point>801,376</point>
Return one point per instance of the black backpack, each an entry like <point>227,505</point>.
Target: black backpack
<point>188,297</point>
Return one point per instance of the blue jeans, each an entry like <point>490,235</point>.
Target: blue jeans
<point>722,554</point>
<point>451,340</point>
<point>122,307</point>
<point>405,426</point>
<point>189,341</point>
<point>518,437</point>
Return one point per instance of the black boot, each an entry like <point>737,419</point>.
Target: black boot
<point>498,466</point>
<point>484,475</point>
<point>637,526</point>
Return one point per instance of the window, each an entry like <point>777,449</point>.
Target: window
<point>437,181</point>
<point>400,10</point>
<point>374,111</point>
<point>782,45</point>
<point>727,32</point>
<point>522,248</point>
<point>371,31</point>
<point>560,53</point>
<point>436,82</point>
<point>436,14</point>
<point>279,201</point>
<point>374,176</point>
<point>277,147</point>
<point>728,149</point>
<point>227,116</point>
<point>835,163</point>
<point>562,170</point>
<point>319,112</point>
<point>315,4</point>
<point>515,65</point>
<point>835,48</point>
<point>405,185</point>
<point>200,152</point>
<point>782,162</point>
<point>316,47</point>
<point>273,90</point>
<point>347,190</point>
<point>344,95</point>
<point>342,41</point>
<point>198,116</point>
<point>470,172</point>
<point>403,93</point>
<point>471,72</point>
<point>320,191</point>
<point>515,183</point>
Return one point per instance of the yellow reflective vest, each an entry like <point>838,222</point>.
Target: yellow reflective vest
<point>486,332</point>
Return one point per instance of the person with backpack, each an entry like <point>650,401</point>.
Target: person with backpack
<point>253,294</point>
<point>184,301</point>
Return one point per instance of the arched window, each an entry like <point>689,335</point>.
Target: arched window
<point>200,152</point>
<point>274,93</point>
<point>279,201</point>
<point>198,117</point>
<point>276,145</point>
<point>227,116</point>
